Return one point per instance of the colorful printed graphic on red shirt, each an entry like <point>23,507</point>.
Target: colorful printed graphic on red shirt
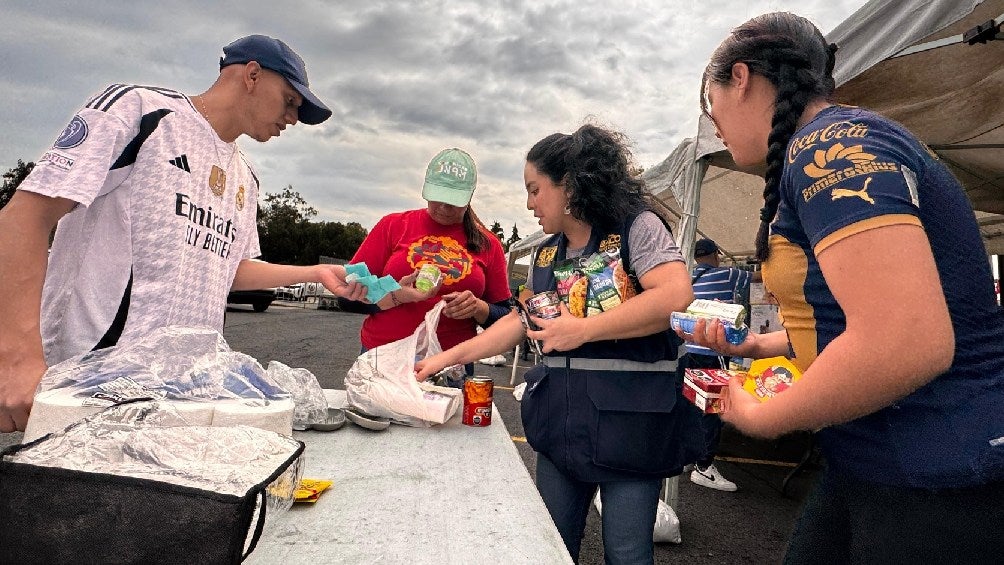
<point>445,252</point>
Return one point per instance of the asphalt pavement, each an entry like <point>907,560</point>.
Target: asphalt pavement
<point>744,527</point>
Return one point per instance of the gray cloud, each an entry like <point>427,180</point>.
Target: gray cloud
<point>404,79</point>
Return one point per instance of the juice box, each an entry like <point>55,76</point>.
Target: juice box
<point>733,313</point>
<point>703,388</point>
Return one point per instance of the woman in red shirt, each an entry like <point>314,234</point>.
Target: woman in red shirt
<point>447,234</point>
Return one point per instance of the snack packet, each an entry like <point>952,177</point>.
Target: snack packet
<point>309,490</point>
<point>625,285</point>
<point>685,322</point>
<point>573,285</point>
<point>565,276</point>
<point>703,388</point>
<point>770,377</point>
<point>600,271</point>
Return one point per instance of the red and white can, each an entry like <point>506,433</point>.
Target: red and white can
<point>544,304</point>
<point>478,401</point>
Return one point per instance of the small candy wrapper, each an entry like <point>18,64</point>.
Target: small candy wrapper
<point>309,490</point>
<point>376,288</point>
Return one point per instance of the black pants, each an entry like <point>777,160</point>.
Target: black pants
<point>847,520</point>
<point>711,423</point>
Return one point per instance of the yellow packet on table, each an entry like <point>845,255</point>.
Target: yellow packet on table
<point>771,376</point>
<point>309,490</point>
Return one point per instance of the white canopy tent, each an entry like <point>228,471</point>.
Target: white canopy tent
<point>910,60</point>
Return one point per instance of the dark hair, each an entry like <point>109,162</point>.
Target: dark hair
<point>476,232</point>
<point>791,53</point>
<point>594,166</point>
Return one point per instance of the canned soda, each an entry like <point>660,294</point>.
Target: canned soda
<point>478,401</point>
<point>544,304</point>
<point>428,277</point>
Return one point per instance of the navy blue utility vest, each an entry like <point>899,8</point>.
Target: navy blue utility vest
<point>613,409</point>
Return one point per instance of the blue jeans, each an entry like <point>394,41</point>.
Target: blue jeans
<point>628,515</point>
<point>712,424</point>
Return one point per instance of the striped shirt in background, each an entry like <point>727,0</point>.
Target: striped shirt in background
<point>727,284</point>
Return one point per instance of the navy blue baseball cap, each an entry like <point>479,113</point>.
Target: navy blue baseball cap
<point>276,56</point>
<point>703,247</point>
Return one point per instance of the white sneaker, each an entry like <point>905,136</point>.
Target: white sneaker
<point>711,478</point>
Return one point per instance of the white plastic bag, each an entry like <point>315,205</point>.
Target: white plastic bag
<point>667,524</point>
<point>517,392</point>
<point>381,381</point>
<point>494,360</point>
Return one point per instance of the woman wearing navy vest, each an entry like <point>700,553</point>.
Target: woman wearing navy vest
<point>603,410</point>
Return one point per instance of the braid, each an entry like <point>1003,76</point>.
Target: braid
<point>792,98</point>
<point>795,57</point>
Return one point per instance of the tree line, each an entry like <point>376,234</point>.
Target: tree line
<point>287,232</point>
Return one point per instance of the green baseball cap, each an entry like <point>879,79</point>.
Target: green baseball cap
<point>450,178</point>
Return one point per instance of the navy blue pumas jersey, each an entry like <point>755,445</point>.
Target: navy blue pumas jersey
<point>850,170</point>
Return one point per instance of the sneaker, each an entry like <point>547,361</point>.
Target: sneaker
<point>711,478</point>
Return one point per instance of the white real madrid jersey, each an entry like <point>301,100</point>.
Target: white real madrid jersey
<point>166,213</point>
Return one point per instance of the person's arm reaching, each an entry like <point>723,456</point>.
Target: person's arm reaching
<point>252,274</point>
<point>25,225</point>
<point>502,336</point>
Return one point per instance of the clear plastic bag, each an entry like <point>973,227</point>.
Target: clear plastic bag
<point>311,406</point>
<point>193,368</point>
<point>172,363</point>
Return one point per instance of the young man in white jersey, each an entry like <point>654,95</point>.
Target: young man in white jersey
<point>156,206</point>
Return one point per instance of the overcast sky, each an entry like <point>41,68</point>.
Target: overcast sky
<point>404,79</point>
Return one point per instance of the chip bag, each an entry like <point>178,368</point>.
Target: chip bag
<point>600,270</point>
<point>573,285</point>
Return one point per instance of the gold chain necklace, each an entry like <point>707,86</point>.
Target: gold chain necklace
<point>218,175</point>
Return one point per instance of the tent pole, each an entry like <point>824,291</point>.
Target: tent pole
<point>688,229</point>
<point>691,210</point>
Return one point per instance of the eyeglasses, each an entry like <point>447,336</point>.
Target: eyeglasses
<point>706,102</point>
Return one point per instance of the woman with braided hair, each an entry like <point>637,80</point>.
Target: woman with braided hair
<point>873,252</point>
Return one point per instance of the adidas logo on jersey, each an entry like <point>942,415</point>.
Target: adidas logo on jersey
<point>181,162</point>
